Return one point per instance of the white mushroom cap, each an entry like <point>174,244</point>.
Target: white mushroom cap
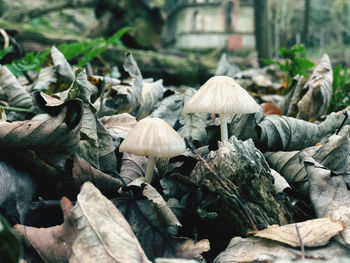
<point>221,94</point>
<point>153,137</point>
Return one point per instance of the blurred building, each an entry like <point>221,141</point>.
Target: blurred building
<point>208,24</point>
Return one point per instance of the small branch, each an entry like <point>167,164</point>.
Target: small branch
<point>300,242</point>
<point>6,38</point>
<point>17,109</point>
<point>342,124</point>
<point>225,186</point>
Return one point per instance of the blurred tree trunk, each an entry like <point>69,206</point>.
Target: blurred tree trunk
<point>263,38</point>
<point>306,21</point>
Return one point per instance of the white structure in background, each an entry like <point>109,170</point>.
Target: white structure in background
<point>207,24</point>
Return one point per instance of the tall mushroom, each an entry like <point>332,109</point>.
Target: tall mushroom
<point>222,95</point>
<point>153,137</point>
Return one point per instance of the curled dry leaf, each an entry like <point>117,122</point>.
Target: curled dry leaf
<point>329,194</point>
<point>16,95</point>
<point>312,233</point>
<point>96,144</point>
<point>132,167</point>
<point>103,233</point>
<point>244,126</point>
<point>53,244</point>
<point>261,250</point>
<point>334,155</point>
<point>155,224</point>
<point>290,134</point>
<point>83,171</point>
<point>152,92</point>
<point>16,192</point>
<point>318,92</point>
<point>58,74</point>
<point>44,143</point>
<point>294,95</point>
<point>280,182</point>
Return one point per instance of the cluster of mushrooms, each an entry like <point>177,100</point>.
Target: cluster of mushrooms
<point>220,94</point>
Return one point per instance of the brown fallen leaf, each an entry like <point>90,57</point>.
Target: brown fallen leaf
<point>119,125</point>
<point>329,194</point>
<point>83,171</point>
<point>103,233</point>
<point>269,108</point>
<point>254,249</point>
<point>318,92</point>
<point>155,224</point>
<point>53,244</point>
<point>313,233</point>
<point>132,167</point>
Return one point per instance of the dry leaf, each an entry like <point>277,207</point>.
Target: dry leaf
<point>53,244</point>
<point>334,155</point>
<point>132,167</point>
<point>155,224</point>
<point>96,144</point>
<point>312,233</point>
<point>262,250</point>
<point>103,233</point>
<point>329,194</point>
<point>17,189</point>
<point>56,77</point>
<point>16,94</point>
<point>269,109</point>
<point>83,171</point>
<point>318,92</point>
<point>290,134</point>
<point>119,125</point>
<point>44,144</point>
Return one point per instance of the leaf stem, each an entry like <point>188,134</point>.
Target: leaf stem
<point>17,109</point>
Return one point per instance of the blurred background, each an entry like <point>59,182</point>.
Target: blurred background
<point>180,41</point>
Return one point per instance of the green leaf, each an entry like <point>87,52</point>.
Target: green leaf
<point>6,51</point>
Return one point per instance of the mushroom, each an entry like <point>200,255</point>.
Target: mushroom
<point>153,137</point>
<point>222,95</point>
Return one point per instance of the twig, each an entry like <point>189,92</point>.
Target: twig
<point>224,185</point>
<point>300,242</point>
<point>343,122</point>
<point>17,109</point>
<point>6,38</point>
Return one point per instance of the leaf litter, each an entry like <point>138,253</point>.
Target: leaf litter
<point>211,197</point>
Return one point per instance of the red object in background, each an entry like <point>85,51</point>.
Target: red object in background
<point>234,42</point>
<point>269,109</point>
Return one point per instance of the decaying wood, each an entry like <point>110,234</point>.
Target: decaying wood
<point>243,168</point>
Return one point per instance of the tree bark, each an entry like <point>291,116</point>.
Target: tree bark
<point>262,30</point>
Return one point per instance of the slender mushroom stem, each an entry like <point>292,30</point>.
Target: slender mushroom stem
<point>149,170</point>
<point>223,127</point>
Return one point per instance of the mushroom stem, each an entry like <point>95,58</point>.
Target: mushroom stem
<point>149,170</point>
<point>223,127</point>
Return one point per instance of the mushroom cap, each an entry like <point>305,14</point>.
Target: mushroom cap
<point>153,137</point>
<point>221,94</point>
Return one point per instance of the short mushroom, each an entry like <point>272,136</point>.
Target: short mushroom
<point>153,137</point>
<point>222,95</point>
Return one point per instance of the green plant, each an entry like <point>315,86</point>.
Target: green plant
<point>295,62</point>
<point>86,50</point>
<point>5,51</point>
<point>341,88</point>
